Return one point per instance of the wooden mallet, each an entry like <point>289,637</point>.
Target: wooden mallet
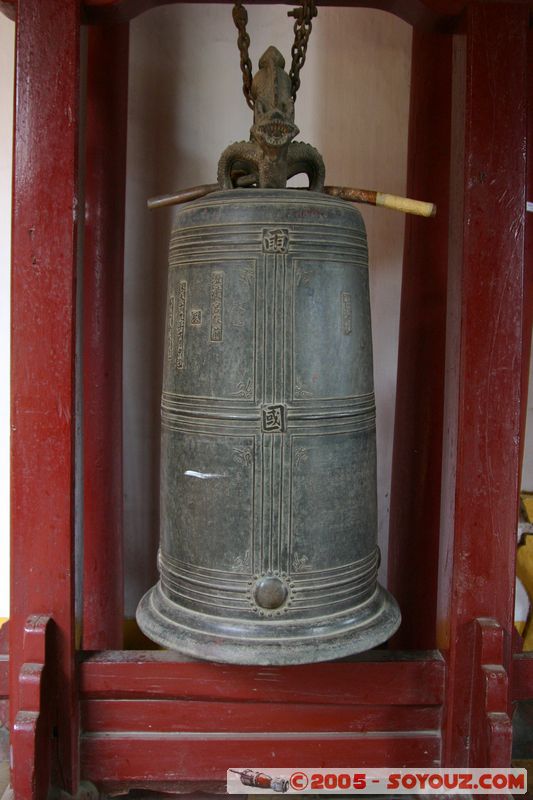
<point>392,201</point>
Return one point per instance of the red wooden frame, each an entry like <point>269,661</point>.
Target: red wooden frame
<point>481,458</point>
<point>106,124</point>
<point>44,244</point>
<point>417,455</point>
<point>151,719</point>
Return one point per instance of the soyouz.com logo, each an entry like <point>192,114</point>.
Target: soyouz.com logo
<point>378,781</point>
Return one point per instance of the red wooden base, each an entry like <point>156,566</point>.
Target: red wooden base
<point>148,719</point>
<point>188,722</point>
<point>31,736</point>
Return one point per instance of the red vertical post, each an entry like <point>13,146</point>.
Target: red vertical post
<point>415,488</point>
<point>45,221</point>
<point>528,266</point>
<point>484,347</point>
<point>107,95</point>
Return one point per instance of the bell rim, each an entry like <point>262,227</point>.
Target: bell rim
<point>373,623</point>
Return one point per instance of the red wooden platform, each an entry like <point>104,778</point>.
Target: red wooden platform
<point>86,709</point>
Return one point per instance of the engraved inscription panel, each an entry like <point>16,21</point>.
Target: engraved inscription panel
<point>332,342</point>
<point>207,491</point>
<point>212,329</point>
<point>170,328</point>
<point>217,293</point>
<point>180,324</point>
<point>346,312</point>
<point>334,514</point>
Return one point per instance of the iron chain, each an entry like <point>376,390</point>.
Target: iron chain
<point>303,17</point>
<point>303,23</point>
<point>240,18</point>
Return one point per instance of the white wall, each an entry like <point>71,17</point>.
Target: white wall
<point>7,42</point>
<point>186,105</point>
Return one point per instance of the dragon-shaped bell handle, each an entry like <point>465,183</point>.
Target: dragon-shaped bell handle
<point>271,156</point>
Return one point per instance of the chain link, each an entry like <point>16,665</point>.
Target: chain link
<point>240,18</point>
<point>303,16</point>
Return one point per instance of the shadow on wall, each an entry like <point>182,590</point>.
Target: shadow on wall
<point>185,106</point>
<point>359,93</point>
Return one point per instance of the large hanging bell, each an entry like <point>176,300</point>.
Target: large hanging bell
<point>268,551</point>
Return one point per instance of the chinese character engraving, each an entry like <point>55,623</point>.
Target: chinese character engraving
<point>247,277</point>
<point>217,286</point>
<point>276,241</point>
<point>170,327</point>
<point>244,389</point>
<point>273,419</point>
<point>303,277</point>
<point>300,563</point>
<point>238,316</point>
<point>300,388</point>
<point>242,455</point>
<point>242,562</point>
<point>346,312</point>
<point>180,325</point>
<point>301,455</point>
<point>196,316</point>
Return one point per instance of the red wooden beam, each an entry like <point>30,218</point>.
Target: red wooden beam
<point>45,221</point>
<point>31,733</point>
<point>426,13</point>
<point>150,719</point>
<point>374,681</point>
<point>145,758</point>
<point>528,265</point>
<point>484,346</point>
<point>98,686</point>
<point>8,7</point>
<point>4,677</point>
<point>491,729</point>
<point>106,124</point>
<point>522,677</point>
<point>416,472</point>
<point>99,716</point>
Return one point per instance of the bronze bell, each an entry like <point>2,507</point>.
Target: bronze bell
<point>268,551</point>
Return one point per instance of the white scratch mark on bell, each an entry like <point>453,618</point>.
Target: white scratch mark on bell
<point>191,473</point>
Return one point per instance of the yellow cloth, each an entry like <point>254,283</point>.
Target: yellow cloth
<point>524,570</point>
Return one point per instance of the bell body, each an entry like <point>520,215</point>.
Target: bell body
<point>268,550</point>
